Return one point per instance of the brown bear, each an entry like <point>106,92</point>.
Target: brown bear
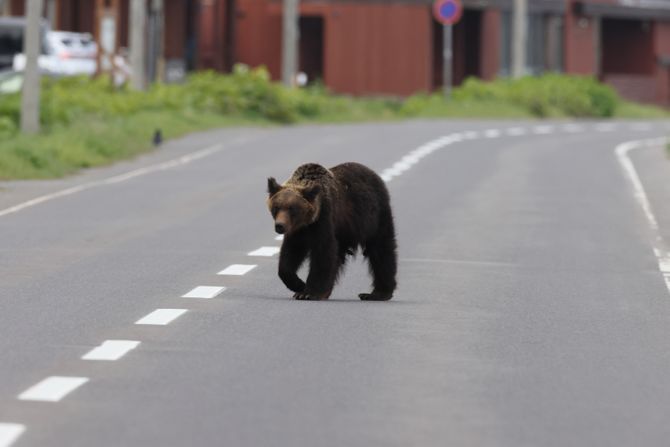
<point>327,214</point>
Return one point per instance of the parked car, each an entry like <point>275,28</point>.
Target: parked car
<point>12,30</point>
<point>66,54</point>
<point>10,82</point>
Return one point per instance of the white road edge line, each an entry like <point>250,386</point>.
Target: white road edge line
<point>660,248</point>
<point>111,350</point>
<point>173,163</point>
<point>53,388</point>
<point>204,292</point>
<point>237,269</point>
<point>10,432</point>
<point>264,251</point>
<point>161,317</point>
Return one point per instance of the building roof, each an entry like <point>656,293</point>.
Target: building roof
<point>557,6</point>
<point>626,9</point>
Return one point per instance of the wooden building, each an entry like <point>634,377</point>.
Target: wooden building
<point>394,47</point>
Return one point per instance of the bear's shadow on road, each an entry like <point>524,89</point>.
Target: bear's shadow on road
<point>393,301</point>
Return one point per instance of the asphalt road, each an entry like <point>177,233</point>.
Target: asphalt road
<point>530,310</point>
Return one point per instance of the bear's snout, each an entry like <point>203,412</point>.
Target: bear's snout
<point>280,228</point>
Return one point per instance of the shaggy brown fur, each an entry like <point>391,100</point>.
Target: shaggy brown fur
<point>327,214</point>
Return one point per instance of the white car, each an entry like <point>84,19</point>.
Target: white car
<point>66,54</point>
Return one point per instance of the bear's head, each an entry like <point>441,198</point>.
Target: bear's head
<point>292,207</point>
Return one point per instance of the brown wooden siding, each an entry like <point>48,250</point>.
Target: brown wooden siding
<point>258,35</point>
<point>580,44</point>
<point>378,49</point>
<point>490,46</point>
<point>662,50</point>
<point>175,26</point>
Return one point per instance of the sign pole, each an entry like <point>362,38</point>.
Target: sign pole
<point>447,57</point>
<point>448,13</point>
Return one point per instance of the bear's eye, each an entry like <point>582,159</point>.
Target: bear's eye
<point>275,210</point>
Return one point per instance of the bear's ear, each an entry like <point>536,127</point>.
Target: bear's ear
<point>310,193</point>
<point>273,186</point>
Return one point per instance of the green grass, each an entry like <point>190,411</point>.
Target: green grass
<point>640,111</point>
<point>92,142</point>
<point>87,123</point>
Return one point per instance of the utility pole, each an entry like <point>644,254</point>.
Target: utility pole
<point>138,16</point>
<point>51,13</point>
<point>156,27</point>
<point>290,38</point>
<point>30,96</point>
<point>519,38</point>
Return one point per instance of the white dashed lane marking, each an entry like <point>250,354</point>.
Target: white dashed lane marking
<point>10,432</point>
<point>205,292</point>
<point>265,251</point>
<point>515,131</point>
<point>492,133</point>
<point>641,127</point>
<point>161,317</point>
<point>572,128</point>
<point>543,130</point>
<point>237,269</point>
<point>605,127</point>
<point>52,389</point>
<point>111,350</point>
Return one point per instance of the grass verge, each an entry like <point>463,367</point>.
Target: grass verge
<point>88,123</point>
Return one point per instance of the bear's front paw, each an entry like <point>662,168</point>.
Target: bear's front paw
<point>375,296</point>
<point>309,296</point>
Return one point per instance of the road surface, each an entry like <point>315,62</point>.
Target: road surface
<point>531,308</point>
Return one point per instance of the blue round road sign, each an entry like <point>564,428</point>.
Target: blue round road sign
<point>447,12</point>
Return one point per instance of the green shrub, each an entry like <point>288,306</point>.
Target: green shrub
<point>88,122</point>
<point>7,127</point>
<point>547,95</point>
